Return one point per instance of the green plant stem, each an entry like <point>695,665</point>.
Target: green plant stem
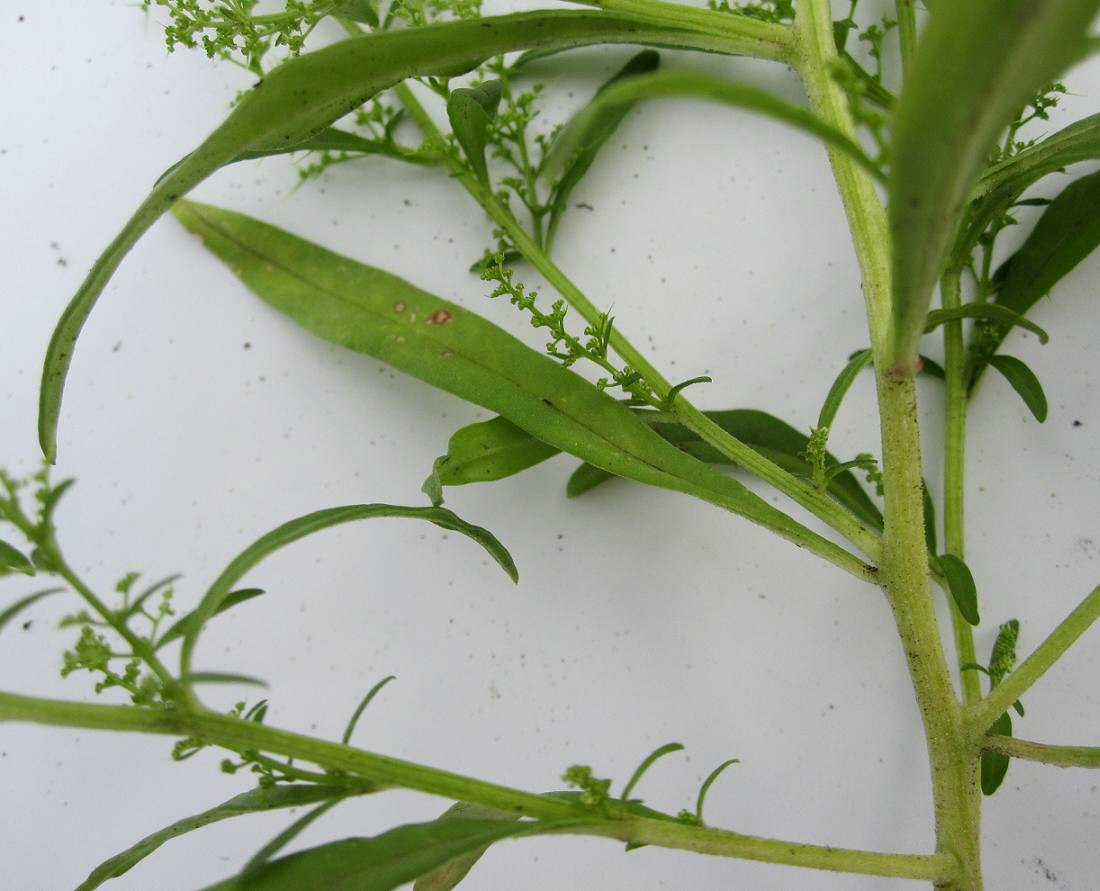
<point>907,31</point>
<point>1055,756</point>
<point>904,563</point>
<point>1036,665</point>
<point>248,736</point>
<point>747,37</point>
<point>818,504</point>
<point>954,471</point>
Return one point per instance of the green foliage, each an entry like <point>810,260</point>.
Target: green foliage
<point>383,862</point>
<point>259,800</point>
<point>961,584</point>
<point>1066,233</point>
<point>218,593</point>
<point>296,102</point>
<point>976,66</point>
<point>1024,382</point>
<point>958,143</point>
<point>229,29</point>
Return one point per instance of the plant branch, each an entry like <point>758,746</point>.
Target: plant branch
<point>1056,756</point>
<point>954,470</point>
<point>1036,665</point>
<point>815,502</point>
<point>248,736</point>
<point>44,538</point>
<point>904,563</point>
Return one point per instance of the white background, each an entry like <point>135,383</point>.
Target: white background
<point>196,419</point>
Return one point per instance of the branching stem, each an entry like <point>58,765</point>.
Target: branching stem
<point>384,772</point>
<point>1036,665</point>
<point>1056,756</point>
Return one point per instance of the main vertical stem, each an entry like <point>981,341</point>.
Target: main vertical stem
<point>903,567</point>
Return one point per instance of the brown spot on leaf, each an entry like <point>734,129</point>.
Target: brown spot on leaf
<point>439,317</point>
<point>399,307</point>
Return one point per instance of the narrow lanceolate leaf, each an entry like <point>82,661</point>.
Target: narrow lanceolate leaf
<point>776,440</point>
<point>840,387</point>
<point>977,64</point>
<point>255,801</point>
<point>447,876</point>
<point>929,519</point>
<point>987,312</point>
<point>11,558</point>
<point>290,532</point>
<point>960,582</point>
<point>220,677</point>
<point>378,314</point>
<point>288,835</point>
<point>994,764</point>
<point>359,11</point>
<point>298,100</point>
<point>1066,233</point>
<point>1001,186</point>
<point>383,862</point>
<point>330,139</point>
<point>586,145</point>
<point>181,626</point>
<point>489,450</point>
<point>1024,382</point>
<point>6,615</point>
<point>690,85</point>
<point>470,111</point>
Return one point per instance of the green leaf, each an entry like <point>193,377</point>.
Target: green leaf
<point>383,862</point>
<point>929,519</point>
<point>991,312</point>
<point>708,782</point>
<point>977,64</point>
<point>220,677</point>
<point>447,876</point>
<point>960,582</point>
<point>450,347</point>
<point>1024,382</point>
<point>53,498</point>
<point>298,100</point>
<point>255,801</point>
<point>595,129</point>
<point>489,450</point>
<point>182,625</point>
<point>666,749</point>
<point>290,532</point>
<point>840,387</point>
<point>359,709</point>
<point>585,478</point>
<point>330,139</point>
<point>932,368</point>
<point>12,558</point>
<point>470,111</point>
<point>288,835</point>
<point>765,434</point>
<point>362,11</point>
<point>690,85</point>
<point>16,608</point>
<point>1066,233</point>
<point>994,764</point>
